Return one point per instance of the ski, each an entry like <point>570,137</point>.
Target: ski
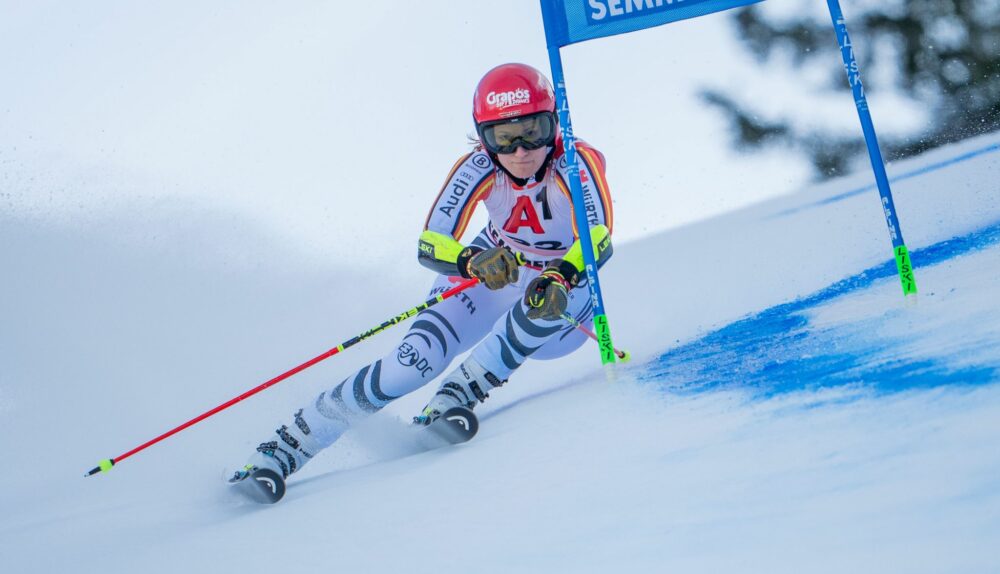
<point>456,425</point>
<point>261,485</point>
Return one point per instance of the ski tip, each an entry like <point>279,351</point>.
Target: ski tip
<point>261,485</point>
<point>103,466</point>
<point>270,486</point>
<point>457,424</point>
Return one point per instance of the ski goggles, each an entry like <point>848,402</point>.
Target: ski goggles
<point>530,132</point>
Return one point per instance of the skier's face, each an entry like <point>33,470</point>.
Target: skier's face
<point>522,143</point>
<point>523,163</point>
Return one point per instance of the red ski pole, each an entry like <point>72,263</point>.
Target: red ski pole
<point>106,464</point>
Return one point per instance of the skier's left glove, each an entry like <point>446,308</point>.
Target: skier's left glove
<point>546,296</point>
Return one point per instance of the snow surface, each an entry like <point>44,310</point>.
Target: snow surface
<point>786,411</point>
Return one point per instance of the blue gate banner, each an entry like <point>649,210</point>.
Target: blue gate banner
<point>571,21</point>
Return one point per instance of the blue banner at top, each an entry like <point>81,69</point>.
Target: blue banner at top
<point>571,21</point>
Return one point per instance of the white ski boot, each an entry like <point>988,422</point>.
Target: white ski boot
<point>463,387</point>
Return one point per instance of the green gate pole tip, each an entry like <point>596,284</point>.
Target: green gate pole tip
<point>104,466</point>
<point>905,269</point>
<point>603,335</point>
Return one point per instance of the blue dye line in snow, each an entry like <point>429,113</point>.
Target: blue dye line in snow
<point>775,351</point>
<point>902,177</point>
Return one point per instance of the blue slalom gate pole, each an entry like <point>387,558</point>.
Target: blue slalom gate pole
<point>903,265</point>
<point>601,328</point>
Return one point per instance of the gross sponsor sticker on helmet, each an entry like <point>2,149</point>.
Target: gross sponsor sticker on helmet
<point>503,100</point>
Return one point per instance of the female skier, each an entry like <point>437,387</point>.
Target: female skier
<point>518,171</point>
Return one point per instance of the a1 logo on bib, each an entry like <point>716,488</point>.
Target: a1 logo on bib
<point>523,214</point>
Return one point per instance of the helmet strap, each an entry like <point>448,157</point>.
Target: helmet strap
<point>520,181</point>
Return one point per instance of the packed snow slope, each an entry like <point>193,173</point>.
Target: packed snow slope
<point>786,411</point>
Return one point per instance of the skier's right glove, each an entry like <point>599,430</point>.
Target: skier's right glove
<point>495,267</point>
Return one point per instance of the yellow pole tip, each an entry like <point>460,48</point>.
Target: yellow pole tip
<point>106,464</point>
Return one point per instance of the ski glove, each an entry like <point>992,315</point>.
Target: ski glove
<point>546,296</point>
<point>495,267</point>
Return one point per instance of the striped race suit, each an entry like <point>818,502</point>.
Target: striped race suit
<point>536,220</point>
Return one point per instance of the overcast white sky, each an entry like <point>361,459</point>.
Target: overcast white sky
<point>336,123</point>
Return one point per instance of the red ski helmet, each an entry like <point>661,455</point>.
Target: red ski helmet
<point>512,90</point>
